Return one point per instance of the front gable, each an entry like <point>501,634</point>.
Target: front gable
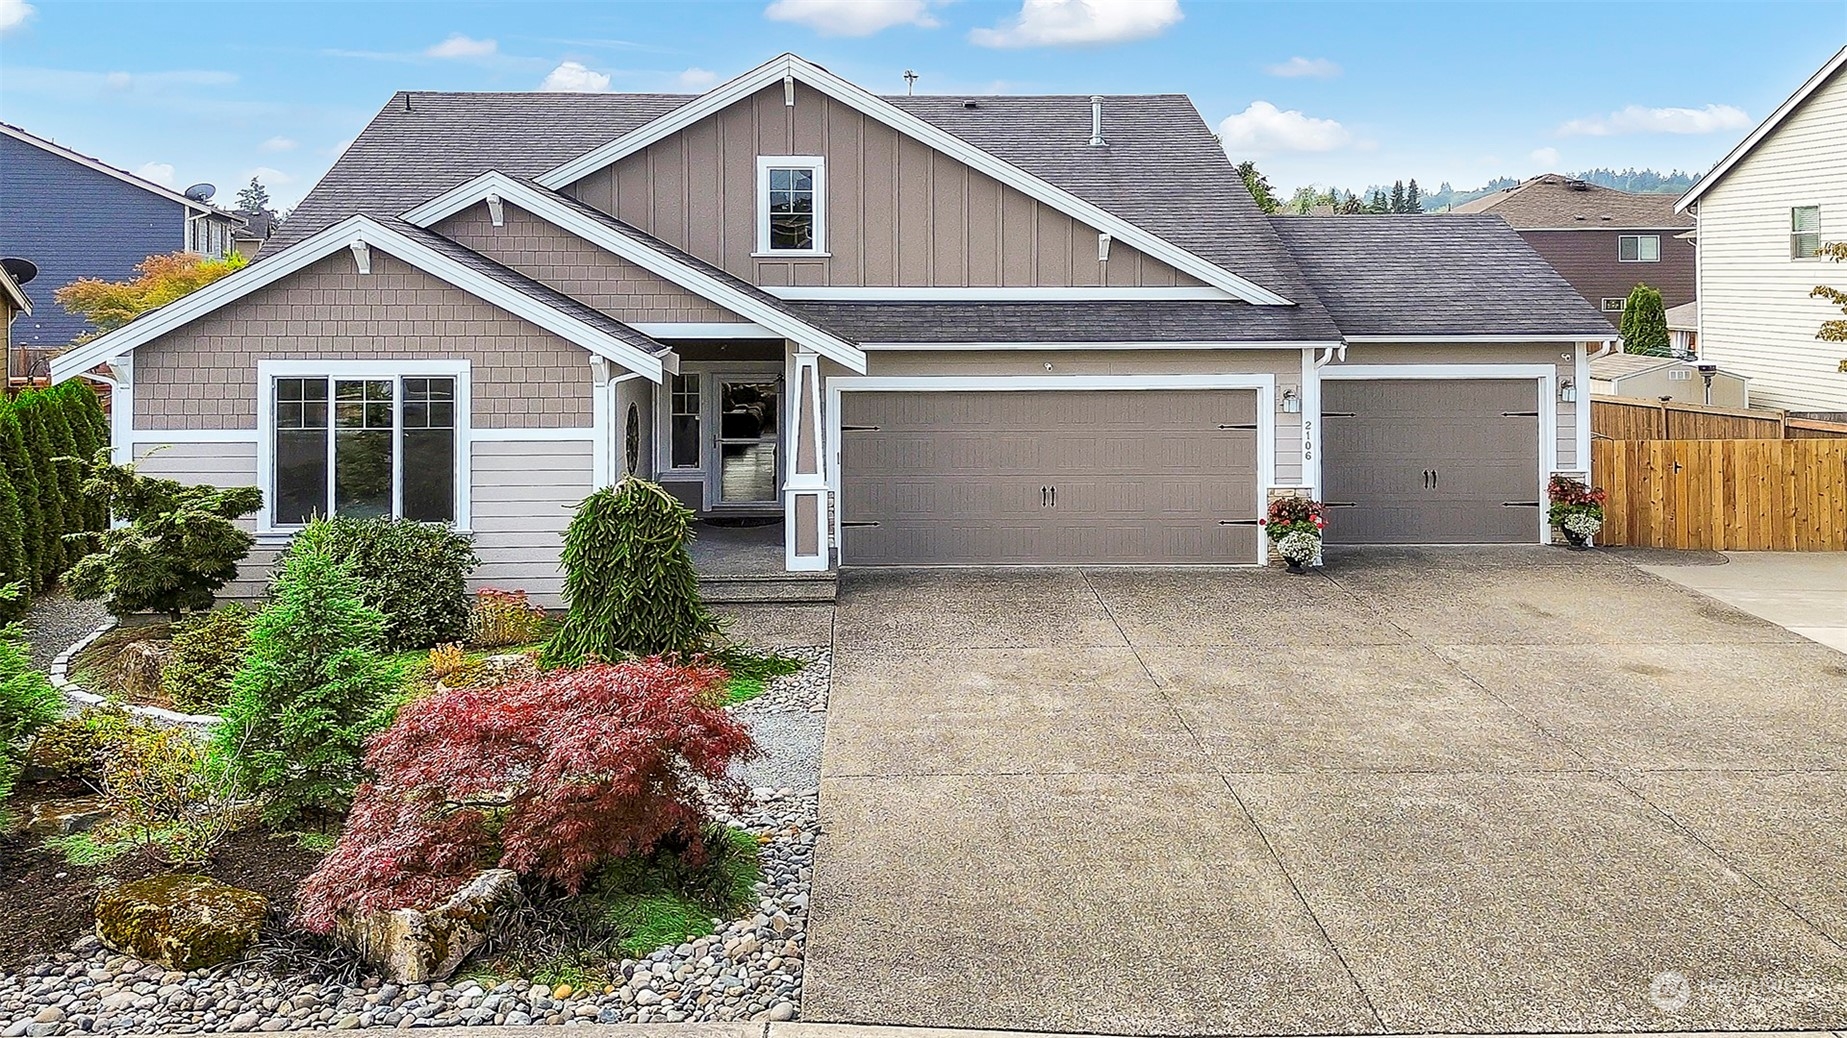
<point>899,213</point>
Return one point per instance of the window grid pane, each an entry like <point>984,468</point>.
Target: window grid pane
<point>791,208</point>
<point>300,491</point>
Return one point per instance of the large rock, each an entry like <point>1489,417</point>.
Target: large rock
<point>416,946</point>
<point>66,816</point>
<point>182,922</point>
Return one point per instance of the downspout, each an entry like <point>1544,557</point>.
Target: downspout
<point>1328,353</point>
<point>1609,345</point>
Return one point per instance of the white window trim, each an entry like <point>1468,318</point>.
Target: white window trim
<point>270,370</point>
<point>1263,384</point>
<point>663,427</point>
<point>1622,303</point>
<point>1820,239</point>
<point>817,164</point>
<point>1638,248</point>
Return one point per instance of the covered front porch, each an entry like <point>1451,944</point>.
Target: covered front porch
<point>744,560</point>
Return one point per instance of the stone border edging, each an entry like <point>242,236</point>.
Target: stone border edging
<point>60,680</point>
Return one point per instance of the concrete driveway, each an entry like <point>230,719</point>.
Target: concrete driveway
<point>1515,790</point>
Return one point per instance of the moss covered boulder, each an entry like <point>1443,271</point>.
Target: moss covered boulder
<point>416,946</point>
<point>182,922</point>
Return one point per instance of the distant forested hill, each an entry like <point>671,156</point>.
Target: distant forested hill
<point>1646,181</point>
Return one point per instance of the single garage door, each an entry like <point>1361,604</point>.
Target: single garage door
<point>1048,477</point>
<point>1430,461</point>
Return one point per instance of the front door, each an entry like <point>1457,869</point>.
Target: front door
<point>743,472</point>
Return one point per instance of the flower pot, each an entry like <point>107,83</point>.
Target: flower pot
<point>1295,566</point>
<point>1576,541</point>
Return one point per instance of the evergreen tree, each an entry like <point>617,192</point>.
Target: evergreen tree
<point>50,488</point>
<point>628,576</point>
<point>15,568</point>
<point>1397,196</point>
<point>81,410</point>
<point>1350,205</point>
<point>1644,324</point>
<point>1413,199</point>
<point>24,479</point>
<point>254,198</point>
<point>1378,203</point>
<point>72,504</point>
<point>1259,186</point>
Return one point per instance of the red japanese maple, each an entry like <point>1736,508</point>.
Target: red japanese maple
<point>548,777</point>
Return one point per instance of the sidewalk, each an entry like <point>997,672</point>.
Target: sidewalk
<point>801,1030</point>
<point>1805,592</point>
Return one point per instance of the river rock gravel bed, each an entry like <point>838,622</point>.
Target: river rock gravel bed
<point>749,968</point>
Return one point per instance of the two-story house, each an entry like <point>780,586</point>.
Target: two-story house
<point>918,330</point>
<point>1765,211</point>
<point>78,217</point>
<point>1604,241</point>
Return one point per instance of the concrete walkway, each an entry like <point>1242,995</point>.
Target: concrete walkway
<point>1805,592</point>
<point>806,1030</point>
<point>1422,792</point>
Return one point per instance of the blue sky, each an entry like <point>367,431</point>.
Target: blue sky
<point>1348,94</point>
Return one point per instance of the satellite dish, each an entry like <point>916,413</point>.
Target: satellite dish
<point>201,192</point>
<point>22,270</point>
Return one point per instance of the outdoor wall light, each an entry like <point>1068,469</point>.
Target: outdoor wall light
<point>1567,391</point>
<point>1292,404</point>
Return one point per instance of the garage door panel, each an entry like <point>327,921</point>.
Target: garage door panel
<point>1430,460</point>
<point>1142,476</point>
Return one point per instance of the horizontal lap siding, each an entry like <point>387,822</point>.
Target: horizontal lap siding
<point>220,465</point>
<point>524,495</point>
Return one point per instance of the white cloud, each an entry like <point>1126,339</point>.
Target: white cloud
<point>573,78</point>
<point>852,17</point>
<point>697,79</point>
<point>1067,23</point>
<point>280,143</point>
<point>269,175</point>
<point>14,12</point>
<point>460,46</point>
<point>1262,129</point>
<point>159,172</point>
<point>1300,68</point>
<point>1637,119</point>
<point>1547,157</point>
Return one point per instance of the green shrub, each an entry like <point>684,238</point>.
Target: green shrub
<point>90,429</point>
<point>205,654</point>
<point>77,746</point>
<point>162,798</point>
<point>415,573</point>
<point>24,477</point>
<point>178,545</point>
<point>15,566</point>
<point>629,579</point>
<point>312,688</point>
<point>1644,324</point>
<point>40,449</point>
<point>27,700</point>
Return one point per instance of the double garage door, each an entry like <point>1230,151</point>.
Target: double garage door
<point>1059,477</point>
<point>1170,477</point>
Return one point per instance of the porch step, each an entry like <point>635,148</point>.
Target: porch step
<point>768,589</point>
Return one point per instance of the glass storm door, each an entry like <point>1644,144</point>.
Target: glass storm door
<point>749,421</point>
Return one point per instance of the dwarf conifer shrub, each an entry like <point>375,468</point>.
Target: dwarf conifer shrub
<point>312,687</point>
<point>629,579</point>
<point>550,777</point>
<point>180,543</point>
<point>205,654</point>
<point>415,573</point>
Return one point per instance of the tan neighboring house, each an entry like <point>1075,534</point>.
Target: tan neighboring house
<point>1765,210</point>
<point>1667,379</point>
<point>916,330</point>
<point>1604,241</point>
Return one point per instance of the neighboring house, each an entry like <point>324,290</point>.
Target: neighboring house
<point>1604,241</point>
<point>13,302</point>
<point>257,228</point>
<point>921,330</point>
<point>1667,378</point>
<point>1683,329</point>
<point>1764,213</point>
<point>77,217</point>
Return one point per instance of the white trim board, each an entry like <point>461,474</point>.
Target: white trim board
<point>572,435</point>
<point>548,208</point>
<point>1545,376</point>
<point>141,437</point>
<point>1263,384</point>
<point>1142,346</point>
<point>1413,340</point>
<point>703,330</point>
<point>996,294</point>
<point>1764,129</point>
<point>789,66</point>
<point>355,230</point>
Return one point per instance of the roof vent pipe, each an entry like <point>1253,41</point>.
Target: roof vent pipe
<point>1096,120</point>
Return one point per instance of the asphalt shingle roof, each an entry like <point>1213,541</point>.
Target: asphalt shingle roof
<point>526,286</point>
<point>1152,321</point>
<point>1435,275</point>
<point>1552,202</point>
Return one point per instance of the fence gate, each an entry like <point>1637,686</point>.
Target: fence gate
<point>1729,495</point>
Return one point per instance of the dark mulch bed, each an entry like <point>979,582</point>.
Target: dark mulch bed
<point>45,901</point>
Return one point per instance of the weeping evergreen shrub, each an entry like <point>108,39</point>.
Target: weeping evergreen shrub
<point>629,580</point>
<point>20,471</point>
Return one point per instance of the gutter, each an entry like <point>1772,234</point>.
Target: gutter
<point>1328,355</point>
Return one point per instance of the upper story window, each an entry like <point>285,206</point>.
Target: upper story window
<point>791,205</point>
<point>1805,232</point>
<point>1638,248</point>
<point>364,440</point>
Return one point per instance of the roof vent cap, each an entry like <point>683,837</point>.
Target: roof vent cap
<point>1096,120</point>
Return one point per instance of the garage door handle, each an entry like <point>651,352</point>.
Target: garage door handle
<point>1045,497</point>
<point>1519,504</point>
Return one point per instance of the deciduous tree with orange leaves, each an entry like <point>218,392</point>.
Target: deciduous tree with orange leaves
<point>158,280</point>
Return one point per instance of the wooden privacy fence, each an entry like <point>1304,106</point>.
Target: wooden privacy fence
<point>1634,418</point>
<point>1730,495</point>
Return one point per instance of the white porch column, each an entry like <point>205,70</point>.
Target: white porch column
<point>804,494</point>
<point>122,409</point>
